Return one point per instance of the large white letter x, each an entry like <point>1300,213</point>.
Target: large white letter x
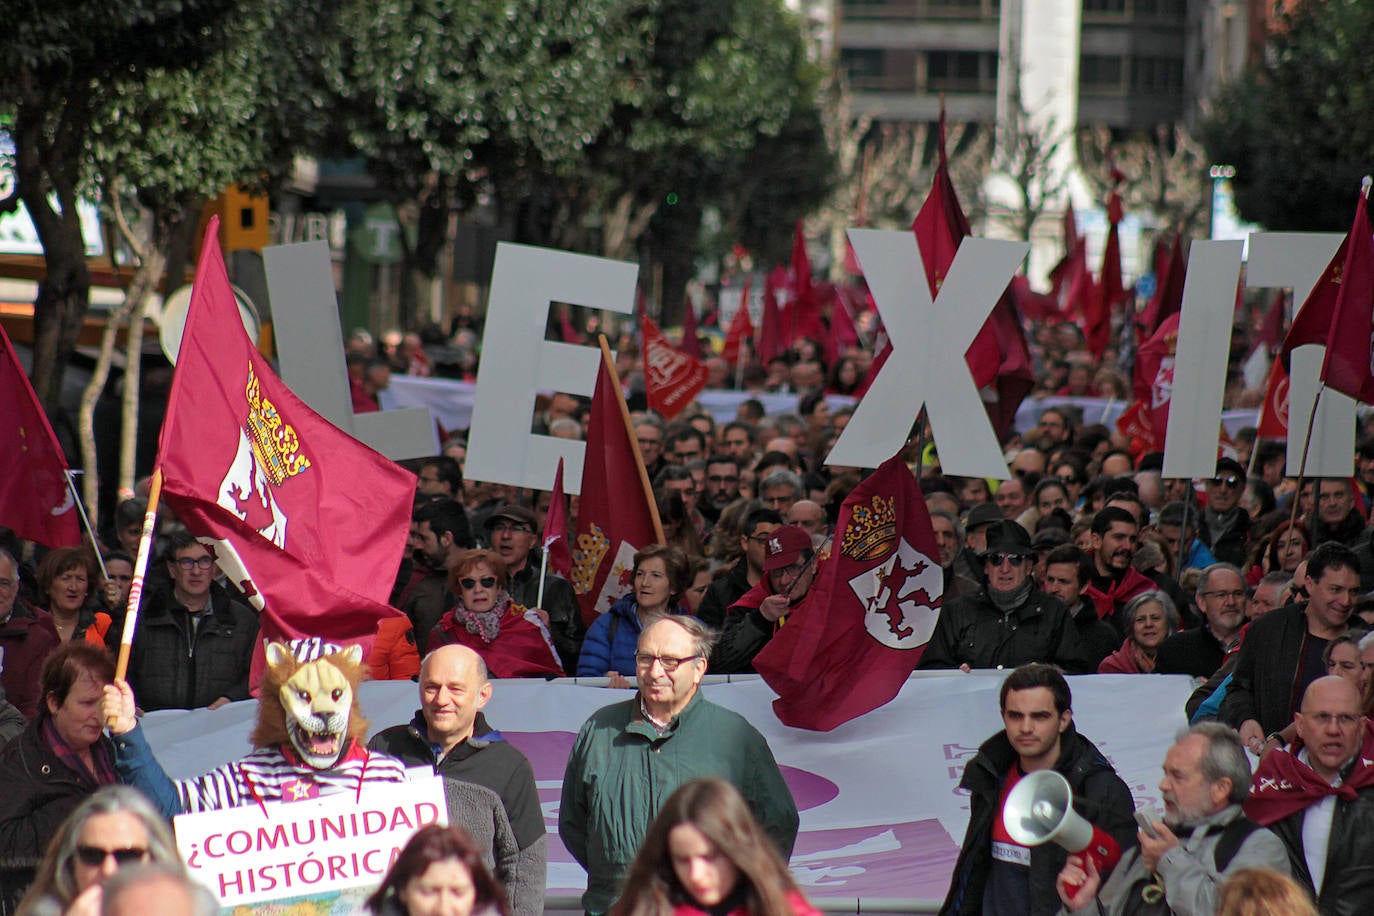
<point>929,339</point>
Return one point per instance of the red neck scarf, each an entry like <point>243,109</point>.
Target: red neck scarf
<point>1284,785</point>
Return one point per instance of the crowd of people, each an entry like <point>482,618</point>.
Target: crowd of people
<point>1085,560</point>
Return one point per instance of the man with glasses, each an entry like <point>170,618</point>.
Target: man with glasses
<point>194,641</point>
<point>1317,795</point>
<point>511,532</point>
<point>747,571</point>
<point>1225,525</point>
<point>632,755</point>
<point>1221,597</point>
<point>789,568</point>
<point>1009,622</point>
<point>27,635</point>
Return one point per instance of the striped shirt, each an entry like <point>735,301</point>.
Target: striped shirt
<point>277,774</point>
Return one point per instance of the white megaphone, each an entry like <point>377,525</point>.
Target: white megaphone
<point>1040,810</point>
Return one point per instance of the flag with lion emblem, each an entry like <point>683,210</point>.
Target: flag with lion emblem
<point>860,631</point>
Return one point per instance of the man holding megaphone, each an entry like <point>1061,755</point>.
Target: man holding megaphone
<point>998,873</point>
<point>1182,860</point>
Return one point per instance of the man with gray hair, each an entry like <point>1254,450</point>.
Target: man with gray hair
<point>1199,651</point>
<point>155,890</point>
<point>780,489</point>
<point>1204,837</point>
<point>631,755</point>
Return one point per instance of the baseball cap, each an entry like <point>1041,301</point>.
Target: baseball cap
<point>785,545</point>
<point>518,514</point>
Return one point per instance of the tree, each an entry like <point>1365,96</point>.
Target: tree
<point>1028,143</point>
<point>1165,174</point>
<point>57,56</point>
<point>1296,125</point>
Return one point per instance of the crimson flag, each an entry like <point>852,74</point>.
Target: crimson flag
<point>858,634</point>
<point>36,501</point>
<point>741,327</point>
<point>1312,322</point>
<point>613,516</point>
<point>566,326</point>
<point>843,333</point>
<point>770,342</point>
<point>1271,329</point>
<point>556,528</point>
<point>671,378</point>
<point>1168,297</point>
<point>1134,424</point>
<point>1097,319</point>
<point>1348,358</point>
<point>1273,422</point>
<point>1156,364</point>
<point>689,345</point>
<point>1035,306</point>
<point>1074,263</point>
<point>306,520</point>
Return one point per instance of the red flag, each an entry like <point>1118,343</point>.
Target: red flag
<point>1270,333</point>
<point>1097,319</point>
<point>1168,297</point>
<point>1074,263</point>
<point>741,327</point>
<point>1348,358</point>
<point>1035,306</point>
<point>1273,422</point>
<point>556,528</point>
<point>566,326</point>
<point>613,517</point>
<point>843,333</point>
<point>1134,424</point>
<point>671,378</point>
<point>306,520</point>
<point>770,343</point>
<point>1156,363</point>
<point>689,345</point>
<point>35,500</point>
<point>805,303</point>
<point>851,644</point>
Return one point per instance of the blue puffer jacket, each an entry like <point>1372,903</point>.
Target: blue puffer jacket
<point>611,640</point>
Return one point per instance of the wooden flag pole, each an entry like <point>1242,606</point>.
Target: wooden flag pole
<point>1302,466</point>
<point>634,441</point>
<point>145,547</point>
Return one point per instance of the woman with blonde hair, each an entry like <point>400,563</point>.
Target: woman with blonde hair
<point>706,853</point>
<point>1261,892</point>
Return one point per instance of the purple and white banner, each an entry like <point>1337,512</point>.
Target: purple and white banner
<point>881,815</point>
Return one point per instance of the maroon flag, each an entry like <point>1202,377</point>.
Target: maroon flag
<point>1347,367</point>
<point>1273,421</point>
<point>36,501</point>
<point>843,333</point>
<point>770,342</point>
<point>613,517</point>
<point>1156,364</point>
<point>689,345</point>
<point>1168,297</point>
<point>1097,319</point>
<point>556,528</point>
<point>850,645</point>
<point>671,378</point>
<point>566,327</point>
<point>308,522</point>
<point>741,328</point>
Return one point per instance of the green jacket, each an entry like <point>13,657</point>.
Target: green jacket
<point>620,773</point>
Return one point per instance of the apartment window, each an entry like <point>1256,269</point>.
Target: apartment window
<point>1104,7</point>
<point>1157,75</point>
<point>863,66</point>
<point>961,71</point>
<point>1100,74</point>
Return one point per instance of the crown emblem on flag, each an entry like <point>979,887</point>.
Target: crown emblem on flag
<point>872,529</point>
<point>591,548</point>
<point>274,442</point>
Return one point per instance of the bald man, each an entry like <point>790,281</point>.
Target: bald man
<point>489,784</point>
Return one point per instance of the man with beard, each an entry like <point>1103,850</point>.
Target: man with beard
<point>1225,525</point>
<point>1204,838</point>
<point>1334,517</point>
<point>1009,622</point>
<point>721,486</point>
<point>1067,569</point>
<point>994,875</point>
<point>1114,581</point>
<point>1198,652</point>
<point>1318,796</point>
<point>439,531</point>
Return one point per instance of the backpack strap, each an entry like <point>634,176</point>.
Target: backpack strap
<point>1233,836</point>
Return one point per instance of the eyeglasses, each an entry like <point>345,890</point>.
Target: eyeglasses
<point>1230,480</point>
<point>94,856</point>
<point>510,528</point>
<point>997,559</point>
<point>1237,594</point>
<point>7,584</point>
<point>1344,720</point>
<point>758,538</point>
<point>469,583</point>
<point>670,664</point>
<point>190,563</point>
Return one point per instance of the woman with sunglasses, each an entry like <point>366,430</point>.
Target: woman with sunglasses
<point>113,828</point>
<point>705,853</point>
<point>513,641</point>
<point>660,578</point>
<point>60,758</point>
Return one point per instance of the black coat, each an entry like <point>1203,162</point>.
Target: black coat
<point>1348,888</point>
<point>169,668</point>
<point>1231,546</point>
<point>1099,795</point>
<point>1194,652</point>
<point>722,594</point>
<point>971,630</point>
<point>560,603</point>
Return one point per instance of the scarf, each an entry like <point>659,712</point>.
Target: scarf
<point>1284,785</point>
<point>1128,586</point>
<point>486,624</point>
<point>101,757</point>
<point>1008,601</point>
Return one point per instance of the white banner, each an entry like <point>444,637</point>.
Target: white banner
<point>881,816</point>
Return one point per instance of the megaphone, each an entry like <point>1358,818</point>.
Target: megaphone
<point>1040,810</point>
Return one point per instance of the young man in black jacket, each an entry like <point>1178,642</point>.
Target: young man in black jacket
<point>994,875</point>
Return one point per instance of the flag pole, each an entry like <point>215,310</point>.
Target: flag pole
<point>634,443</point>
<point>1302,466</point>
<point>86,523</point>
<point>145,547</point>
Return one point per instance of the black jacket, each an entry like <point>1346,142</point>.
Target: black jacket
<point>172,668</point>
<point>1231,545</point>
<point>1348,888</point>
<point>971,630</point>
<point>722,593</point>
<point>1097,637</point>
<point>1194,652</point>
<point>1099,795</point>
<point>560,603</point>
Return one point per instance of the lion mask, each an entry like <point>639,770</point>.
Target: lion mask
<point>312,705</point>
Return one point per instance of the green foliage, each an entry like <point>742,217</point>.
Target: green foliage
<point>1297,126</point>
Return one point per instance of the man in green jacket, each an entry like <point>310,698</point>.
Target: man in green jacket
<point>629,757</point>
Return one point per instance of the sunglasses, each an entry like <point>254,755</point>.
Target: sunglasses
<point>485,582</point>
<point>1230,480</point>
<point>94,856</point>
<point>997,559</point>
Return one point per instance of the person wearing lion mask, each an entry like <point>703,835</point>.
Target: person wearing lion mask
<point>308,740</point>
